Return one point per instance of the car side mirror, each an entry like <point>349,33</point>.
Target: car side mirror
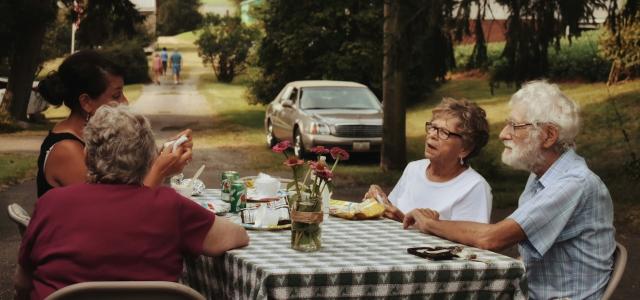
<point>287,103</point>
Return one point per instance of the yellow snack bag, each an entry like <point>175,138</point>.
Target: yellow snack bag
<point>367,209</point>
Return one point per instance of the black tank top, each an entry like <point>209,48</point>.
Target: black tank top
<point>49,141</point>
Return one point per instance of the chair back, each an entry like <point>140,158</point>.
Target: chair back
<point>126,290</point>
<point>19,216</point>
<point>619,263</point>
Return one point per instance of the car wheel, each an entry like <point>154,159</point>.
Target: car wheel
<point>298,147</point>
<point>271,139</point>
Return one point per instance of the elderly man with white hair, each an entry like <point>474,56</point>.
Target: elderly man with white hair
<point>564,221</point>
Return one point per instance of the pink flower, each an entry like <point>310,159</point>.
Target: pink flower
<point>325,174</point>
<point>317,166</point>
<point>281,147</point>
<point>319,150</point>
<point>337,152</point>
<point>293,162</point>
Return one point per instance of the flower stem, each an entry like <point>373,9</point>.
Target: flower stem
<point>335,163</point>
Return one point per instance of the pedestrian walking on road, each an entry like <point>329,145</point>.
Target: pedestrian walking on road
<point>176,65</point>
<point>157,68</point>
<point>164,56</point>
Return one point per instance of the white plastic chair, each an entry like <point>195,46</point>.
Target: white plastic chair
<point>619,264</point>
<point>19,216</point>
<point>126,290</point>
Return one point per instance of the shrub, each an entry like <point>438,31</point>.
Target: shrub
<point>577,59</point>
<point>130,55</point>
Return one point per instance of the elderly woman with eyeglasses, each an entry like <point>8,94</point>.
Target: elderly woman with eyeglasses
<point>444,181</point>
<point>112,227</point>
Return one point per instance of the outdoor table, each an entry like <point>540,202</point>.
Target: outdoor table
<point>358,259</point>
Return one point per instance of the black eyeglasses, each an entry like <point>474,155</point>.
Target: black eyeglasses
<point>513,125</point>
<point>442,133</point>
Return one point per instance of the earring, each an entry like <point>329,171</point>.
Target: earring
<point>461,161</point>
<point>86,119</point>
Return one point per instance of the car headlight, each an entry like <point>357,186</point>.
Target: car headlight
<point>319,128</point>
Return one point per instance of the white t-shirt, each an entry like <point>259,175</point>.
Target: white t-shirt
<point>464,198</point>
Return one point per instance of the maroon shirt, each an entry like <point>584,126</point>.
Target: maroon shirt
<point>99,232</point>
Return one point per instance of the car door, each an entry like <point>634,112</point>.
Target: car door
<point>278,113</point>
<point>290,114</point>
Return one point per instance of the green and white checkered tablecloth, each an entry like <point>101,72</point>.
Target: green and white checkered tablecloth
<point>358,259</point>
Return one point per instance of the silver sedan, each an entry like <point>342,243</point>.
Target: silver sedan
<point>325,113</point>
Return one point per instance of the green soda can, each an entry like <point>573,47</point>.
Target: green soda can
<point>237,196</point>
<point>227,178</point>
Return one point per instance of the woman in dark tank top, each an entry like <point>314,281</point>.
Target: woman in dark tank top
<point>85,81</point>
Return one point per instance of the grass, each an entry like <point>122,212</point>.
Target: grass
<point>16,167</point>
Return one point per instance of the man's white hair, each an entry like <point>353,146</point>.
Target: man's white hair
<point>542,102</point>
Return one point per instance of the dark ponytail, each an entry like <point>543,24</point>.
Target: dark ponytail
<point>84,72</point>
<point>52,89</point>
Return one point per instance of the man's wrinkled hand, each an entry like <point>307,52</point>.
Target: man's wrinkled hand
<point>420,218</point>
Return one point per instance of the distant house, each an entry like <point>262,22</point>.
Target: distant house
<point>148,9</point>
<point>495,19</point>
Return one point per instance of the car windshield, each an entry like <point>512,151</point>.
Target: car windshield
<point>338,97</point>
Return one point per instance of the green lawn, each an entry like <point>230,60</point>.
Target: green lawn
<point>14,167</point>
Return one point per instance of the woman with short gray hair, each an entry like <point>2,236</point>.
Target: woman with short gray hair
<point>444,181</point>
<point>112,155</point>
<point>113,227</point>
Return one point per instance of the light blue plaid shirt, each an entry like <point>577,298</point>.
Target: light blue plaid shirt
<point>567,216</point>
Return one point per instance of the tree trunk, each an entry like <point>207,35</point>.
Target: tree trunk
<point>24,62</point>
<point>393,152</point>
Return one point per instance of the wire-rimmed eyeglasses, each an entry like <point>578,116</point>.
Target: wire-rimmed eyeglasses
<point>442,133</point>
<point>513,125</point>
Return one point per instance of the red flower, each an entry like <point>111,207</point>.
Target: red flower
<point>337,152</point>
<point>293,162</point>
<point>325,173</point>
<point>281,147</point>
<point>319,150</point>
<point>317,166</point>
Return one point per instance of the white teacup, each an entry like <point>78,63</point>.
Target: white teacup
<point>267,186</point>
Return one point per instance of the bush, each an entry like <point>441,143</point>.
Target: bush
<point>130,55</point>
<point>575,60</point>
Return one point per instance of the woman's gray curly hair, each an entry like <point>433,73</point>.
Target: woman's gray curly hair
<point>120,147</point>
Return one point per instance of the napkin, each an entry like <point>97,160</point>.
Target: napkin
<point>266,186</point>
<point>266,217</point>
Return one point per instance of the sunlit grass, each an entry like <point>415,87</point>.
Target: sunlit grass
<point>14,167</point>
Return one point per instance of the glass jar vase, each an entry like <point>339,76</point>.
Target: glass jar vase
<point>306,218</point>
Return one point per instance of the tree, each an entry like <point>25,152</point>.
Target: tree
<point>27,27</point>
<point>393,152</point>
<point>532,26</point>
<point>106,19</point>
<point>176,16</point>
<point>224,44</point>
<point>330,39</point>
